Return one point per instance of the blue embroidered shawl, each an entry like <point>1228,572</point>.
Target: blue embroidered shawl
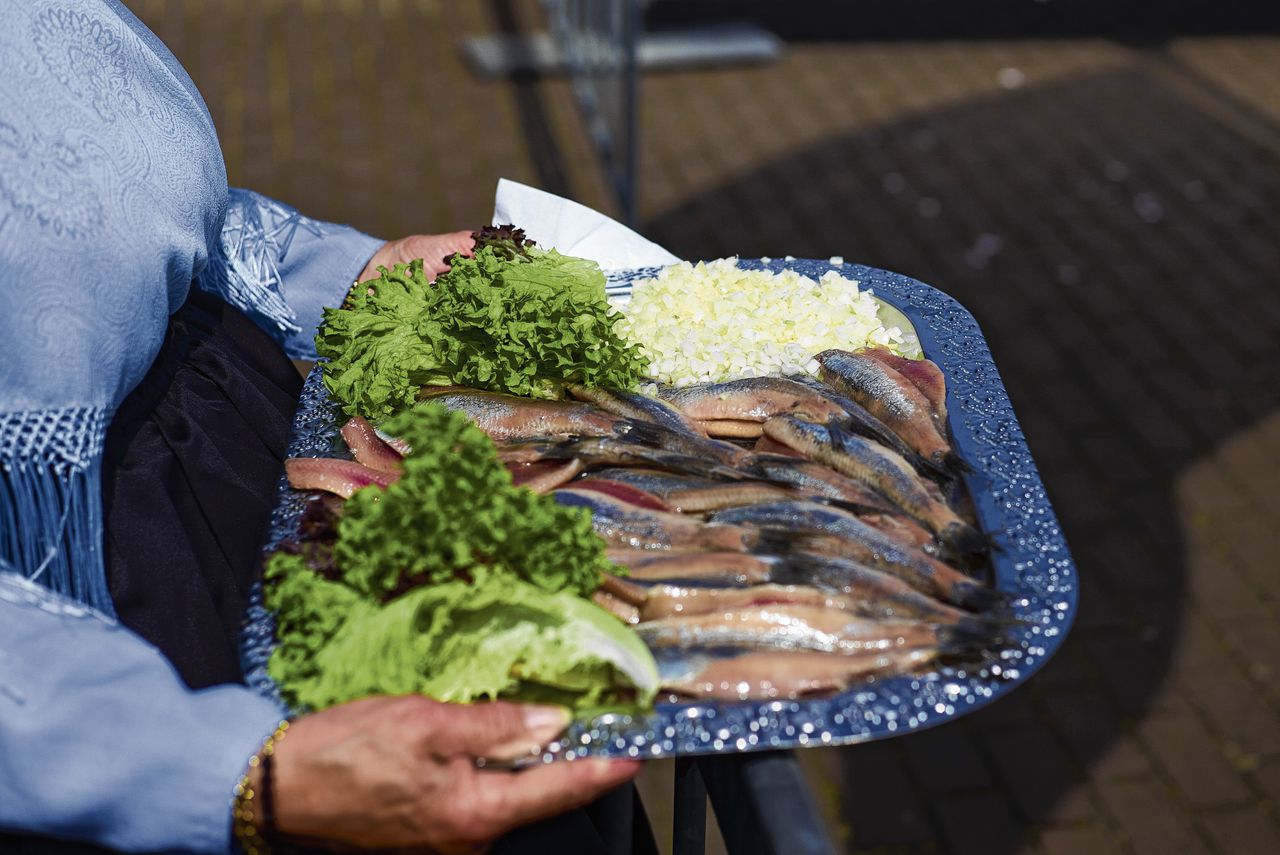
<point>113,199</point>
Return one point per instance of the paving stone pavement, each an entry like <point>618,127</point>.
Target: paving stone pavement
<point>1105,203</point>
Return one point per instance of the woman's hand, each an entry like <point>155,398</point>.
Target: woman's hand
<point>432,249</point>
<point>400,773</point>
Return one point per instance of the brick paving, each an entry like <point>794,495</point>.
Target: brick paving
<point>1104,202</point>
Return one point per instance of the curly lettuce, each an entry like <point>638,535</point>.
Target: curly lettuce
<point>512,318</point>
<point>455,514</point>
<point>501,638</point>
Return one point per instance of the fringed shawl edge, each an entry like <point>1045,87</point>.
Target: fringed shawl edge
<point>51,501</point>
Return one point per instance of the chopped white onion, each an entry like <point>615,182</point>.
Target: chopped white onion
<point>713,321</point>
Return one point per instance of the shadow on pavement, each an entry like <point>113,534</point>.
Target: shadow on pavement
<point>888,20</point>
<point>1112,242</point>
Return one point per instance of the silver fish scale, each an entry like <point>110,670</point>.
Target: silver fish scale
<point>756,397</point>
<point>1033,566</point>
<point>897,474</point>
<point>869,377</point>
<point>797,636</point>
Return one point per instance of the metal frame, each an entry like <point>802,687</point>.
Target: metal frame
<point>761,802</point>
<point>601,45</point>
<point>598,41</point>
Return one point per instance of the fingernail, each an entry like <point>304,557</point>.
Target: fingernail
<point>541,724</point>
<point>614,770</point>
<point>545,723</point>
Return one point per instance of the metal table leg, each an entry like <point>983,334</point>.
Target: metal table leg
<point>689,817</point>
<point>764,806</point>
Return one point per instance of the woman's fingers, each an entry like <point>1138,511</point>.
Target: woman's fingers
<point>432,249</point>
<point>511,799</point>
<point>400,772</point>
<point>495,731</point>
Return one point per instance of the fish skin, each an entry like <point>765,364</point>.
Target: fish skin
<point>620,609</point>
<point>624,493</point>
<point>873,593</point>
<point>697,495</point>
<point>637,405</point>
<point>669,600</point>
<point>532,451</point>
<point>732,495</point>
<point>876,593</point>
<point>902,529</point>
<point>795,514</point>
<point>721,568</point>
<point>368,448</point>
<point>606,452</point>
<point>340,477</point>
<point>881,552</point>
<point>708,448</point>
<point>823,519</point>
<point>508,418</point>
<point>754,399</point>
<point>921,499</point>
<point>656,481</point>
<point>863,423</point>
<point>672,429</point>
<point>844,535</point>
<point>740,675</point>
<point>790,627</point>
<point>855,457</point>
<point>395,443</point>
<point>882,470</point>
<point>765,445</point>
<point>543,476</point>
<point>730,428</point>
<point>628,526</point>
<point>924,374</point>
<point>890,397</point>
<point>813,479</point>
<point>624,589</point>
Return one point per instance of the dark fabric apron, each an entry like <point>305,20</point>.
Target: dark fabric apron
<point>192,461</point>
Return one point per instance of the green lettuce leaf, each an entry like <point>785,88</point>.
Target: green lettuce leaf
<point>455,514</point>
<point>378,358</point>
<point>498,638</point>
<point>309,611</point>
<point>513,318</point>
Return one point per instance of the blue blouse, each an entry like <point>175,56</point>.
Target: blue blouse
<point>113,201</point>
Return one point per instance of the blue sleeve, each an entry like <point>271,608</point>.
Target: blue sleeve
<point>101,741</point>
<point>281,268</point>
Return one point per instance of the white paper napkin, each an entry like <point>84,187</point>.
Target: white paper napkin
<point>554,222</point>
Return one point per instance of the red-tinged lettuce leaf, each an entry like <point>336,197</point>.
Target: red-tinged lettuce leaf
<point>506,241</point>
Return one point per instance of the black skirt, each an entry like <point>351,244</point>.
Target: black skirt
<point>192,462</point>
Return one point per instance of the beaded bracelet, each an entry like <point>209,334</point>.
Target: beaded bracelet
<point>350,295</point>
<point>250,826</point>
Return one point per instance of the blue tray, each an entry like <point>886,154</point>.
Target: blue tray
<point>1031,564</point>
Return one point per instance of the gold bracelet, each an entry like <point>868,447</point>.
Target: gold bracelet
<point>244,813</point>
